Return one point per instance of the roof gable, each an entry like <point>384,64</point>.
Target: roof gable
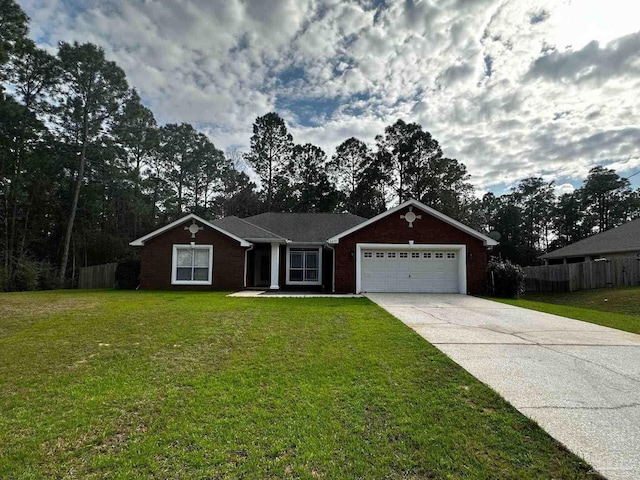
<point>139,242</point>
<point>488,241</point>
<point>625,238</point>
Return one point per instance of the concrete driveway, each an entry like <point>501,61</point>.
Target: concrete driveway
<point>578,381</point>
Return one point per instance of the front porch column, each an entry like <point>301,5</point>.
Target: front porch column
<point>275,265</point>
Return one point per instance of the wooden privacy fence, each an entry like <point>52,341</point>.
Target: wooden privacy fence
<point>619,272</point>
<point>98,276</point>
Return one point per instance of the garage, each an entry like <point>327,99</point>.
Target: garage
<point>412,268</point>
<point>411,248</point>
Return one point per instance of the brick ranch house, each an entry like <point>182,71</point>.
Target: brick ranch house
<point>409,248</point>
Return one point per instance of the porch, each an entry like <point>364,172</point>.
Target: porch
<point>290,267</point>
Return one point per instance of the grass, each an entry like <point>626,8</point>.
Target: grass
<point>611,307</point>
<point>104,384</point>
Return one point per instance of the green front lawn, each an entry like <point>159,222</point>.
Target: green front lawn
<point>106,384</point>
<point>612,307</point>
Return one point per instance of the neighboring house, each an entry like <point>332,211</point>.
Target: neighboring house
<point>409,248</point>
<point>622,241</point>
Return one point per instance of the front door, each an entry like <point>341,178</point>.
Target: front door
<point>262,270</point>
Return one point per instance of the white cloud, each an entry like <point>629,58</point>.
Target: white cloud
<point>578,22</point>
<point>492,80</point>
<point>563,188</point>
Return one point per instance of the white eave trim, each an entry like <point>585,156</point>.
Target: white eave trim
<point>306,244</point>
<point>281,241</point>
<point>551,256</point>
<point>487,241</point>
<point>141,241</point>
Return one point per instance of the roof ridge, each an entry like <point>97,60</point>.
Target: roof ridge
<point>301,213</point>
<point>258,226</point>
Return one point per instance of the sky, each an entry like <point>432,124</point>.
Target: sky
<point>512,89</point>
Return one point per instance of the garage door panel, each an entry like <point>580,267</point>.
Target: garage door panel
<point>422,270</point>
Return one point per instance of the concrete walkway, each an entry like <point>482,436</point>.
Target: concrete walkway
<point>578,381</point>
<point>279,294</point>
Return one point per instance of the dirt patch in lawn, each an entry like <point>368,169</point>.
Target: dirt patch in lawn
<point>15,306</point>
<point>19,312</point>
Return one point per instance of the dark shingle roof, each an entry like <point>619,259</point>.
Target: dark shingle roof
<point>244,229</point>
<point>625,238</point>
<point>305,227</point>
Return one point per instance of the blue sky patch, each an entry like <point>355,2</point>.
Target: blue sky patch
<point>309,112</point>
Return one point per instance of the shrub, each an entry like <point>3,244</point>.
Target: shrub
<point>505,279</point>
<point>3,283</point>
<point>128,274</point>
<point>47,277</point>
<point>25,276</point>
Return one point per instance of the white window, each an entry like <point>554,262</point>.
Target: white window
<point>192,265</point>
<point>379,254</point>
<point>368,254</point>
<point>303,266</point>
<point>439,255</point>
<point>391,254</point>
<point>426,255</point>
<point>451,255</point>
<point>415,255</point>
<point>403,255</point>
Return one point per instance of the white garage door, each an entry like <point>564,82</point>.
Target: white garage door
<point>429,271</point>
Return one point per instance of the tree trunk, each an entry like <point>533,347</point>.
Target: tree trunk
<point>270,186</point>
<point>13,201</point>
<point>74,206</point>
<point>155,201</point>
<point>401,184</point>
<point>13,185</point>
<point>6,244</point>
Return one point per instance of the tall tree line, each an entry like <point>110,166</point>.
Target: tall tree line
<point>532,220</point>
<point>85,168</point>
<point>407,162</point>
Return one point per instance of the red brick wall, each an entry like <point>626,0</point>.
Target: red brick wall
<point>393,229</point>
<point>228,260</point>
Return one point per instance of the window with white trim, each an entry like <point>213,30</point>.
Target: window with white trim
<point>391,254</point>
<point>192,265</point>
<point>451,255</point>
<point>368,254</point>
<point>379,254</point>
<point>303,266</point>
<point>439,255</point>
<point>426,255</point>
<point>404,254</point>
<point>415,254</point>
